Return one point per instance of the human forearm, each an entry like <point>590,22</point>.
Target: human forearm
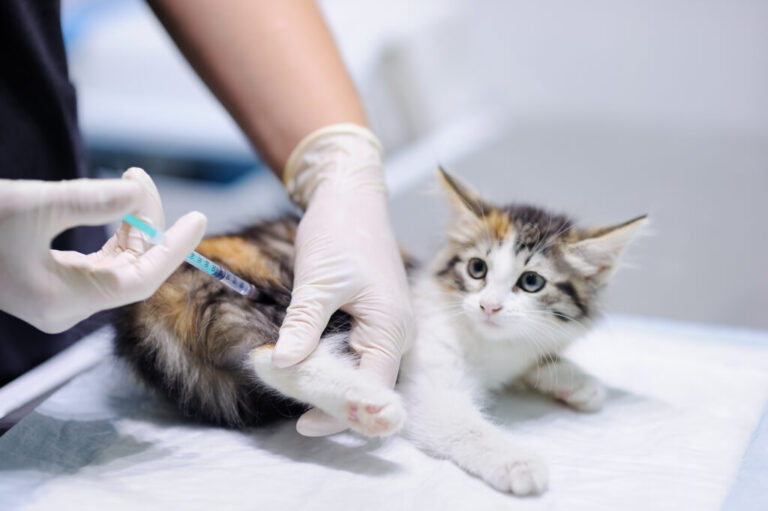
<point>273,64</point>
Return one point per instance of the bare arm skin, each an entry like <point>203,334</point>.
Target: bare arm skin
<point>272,64</point>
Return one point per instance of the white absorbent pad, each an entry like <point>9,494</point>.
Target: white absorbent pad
<point>682,405</point>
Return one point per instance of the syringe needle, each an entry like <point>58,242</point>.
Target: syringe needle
<point>197,260</point>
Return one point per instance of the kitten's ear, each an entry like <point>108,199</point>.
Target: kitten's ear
<point>598,250</point>
<point>462,198</point>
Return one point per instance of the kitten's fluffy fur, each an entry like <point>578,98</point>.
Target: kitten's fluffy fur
<point>511,288</point>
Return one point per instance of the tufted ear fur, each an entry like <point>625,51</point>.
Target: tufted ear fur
<point>469,213</point>
<point>597,252</point>
<point>462,198</point>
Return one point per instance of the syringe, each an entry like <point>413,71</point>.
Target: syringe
<point>200,262</point>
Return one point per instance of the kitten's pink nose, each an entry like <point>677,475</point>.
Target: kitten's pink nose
<point>490,309</point>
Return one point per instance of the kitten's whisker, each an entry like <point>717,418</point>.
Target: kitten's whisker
<point>547,356</point>
<point>549,314</point>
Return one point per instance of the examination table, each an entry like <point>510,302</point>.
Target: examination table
<point>684,427</point>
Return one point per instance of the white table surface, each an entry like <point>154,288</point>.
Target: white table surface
<point>684,406</point>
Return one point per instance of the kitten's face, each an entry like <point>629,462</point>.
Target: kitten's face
<point>522,271</point>
<point>503,290</point>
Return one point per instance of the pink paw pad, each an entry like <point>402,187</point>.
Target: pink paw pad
<point>353,416</point>
<point>377,415</point>
<point>379,425</point>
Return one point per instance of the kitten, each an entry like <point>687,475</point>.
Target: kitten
<point>511,288</point>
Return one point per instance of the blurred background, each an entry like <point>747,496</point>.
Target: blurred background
<point>602,109</point>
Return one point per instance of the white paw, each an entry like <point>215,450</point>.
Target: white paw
<point>378,413</point>
<point>588,397</point>
<point>520,475</point>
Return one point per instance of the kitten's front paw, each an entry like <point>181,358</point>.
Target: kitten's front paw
<point>520,475</point>
<point>568,383</point>
<point>375,414</point>
<point>588,397</point>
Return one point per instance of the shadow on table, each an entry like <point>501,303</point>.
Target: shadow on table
<point>47,444</point>
<point>517,405</point>
<point>357,458</point>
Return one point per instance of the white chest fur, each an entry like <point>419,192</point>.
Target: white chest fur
<point>493,364</point>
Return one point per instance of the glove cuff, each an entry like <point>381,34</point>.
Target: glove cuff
<point>335,151</point>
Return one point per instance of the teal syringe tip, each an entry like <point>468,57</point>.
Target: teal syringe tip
<point>155,235</point>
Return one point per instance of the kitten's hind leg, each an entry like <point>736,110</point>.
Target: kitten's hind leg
<point>566,382</point>
<point>329,381</point>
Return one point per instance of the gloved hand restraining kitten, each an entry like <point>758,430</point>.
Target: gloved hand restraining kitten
<point>511,288</point>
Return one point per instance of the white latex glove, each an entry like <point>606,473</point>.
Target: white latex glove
<point>53,289</point>
<point>346,258</point>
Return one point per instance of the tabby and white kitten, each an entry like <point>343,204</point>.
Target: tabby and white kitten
<point>510,289</point>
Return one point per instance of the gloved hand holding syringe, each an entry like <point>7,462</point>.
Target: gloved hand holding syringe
<point>55,289</point>
<point>202,263</point>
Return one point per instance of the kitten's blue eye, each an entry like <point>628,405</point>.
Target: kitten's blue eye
<point>531,282</point>
<point>477,268</point>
